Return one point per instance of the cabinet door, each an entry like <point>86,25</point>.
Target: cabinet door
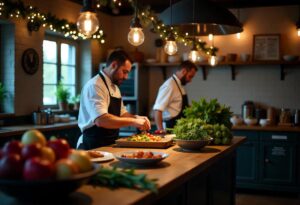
<point>247,158</point>
<point>278,162</point>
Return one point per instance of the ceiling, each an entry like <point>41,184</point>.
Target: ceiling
<point>160,5</point>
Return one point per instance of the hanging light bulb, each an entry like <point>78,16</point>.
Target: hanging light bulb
<point>194,54</point>
<point>238,35</point>
<point>136,35</point>
<point>213,60</point>
<point>210,37</point>
<point>87,22</point>
<point>298,32</point>
<point>171,46</point>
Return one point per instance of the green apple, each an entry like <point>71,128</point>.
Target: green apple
<point>82,160</point>
<point>33,136</point>
<point>65,168</point>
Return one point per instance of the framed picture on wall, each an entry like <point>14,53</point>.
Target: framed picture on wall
<point>266,47</point>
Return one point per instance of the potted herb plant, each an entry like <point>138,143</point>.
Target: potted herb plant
<point>62,95</point>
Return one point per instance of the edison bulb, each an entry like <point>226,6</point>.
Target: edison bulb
<point>213,61</point>
<point>87,23</point>
<point>298,31</point>
<point>136,36</point>
<point>171,47</point>
<point>238,35</point>
<point>193,55</point>
<point>210,37</point>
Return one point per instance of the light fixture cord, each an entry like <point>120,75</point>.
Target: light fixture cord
<point>171,12</point>
<point>135,9</point>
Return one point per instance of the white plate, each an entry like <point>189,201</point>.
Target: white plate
<point>142,161</point>
<point>107,157</point>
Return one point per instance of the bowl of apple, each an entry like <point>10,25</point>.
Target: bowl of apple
<point>35,169</point>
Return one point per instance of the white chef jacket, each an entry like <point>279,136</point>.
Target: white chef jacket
<point>169,99</point>
<point>94,101</point>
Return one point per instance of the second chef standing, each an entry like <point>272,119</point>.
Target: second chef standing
<point>102,111</point>
<point>172,98</point>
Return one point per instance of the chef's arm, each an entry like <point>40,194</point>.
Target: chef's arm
<point>110,121</point>
<point>158,119</point>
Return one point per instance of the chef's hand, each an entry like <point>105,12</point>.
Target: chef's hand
<point>143,122</point>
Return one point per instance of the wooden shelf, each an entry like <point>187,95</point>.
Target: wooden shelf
<point>204,65</point>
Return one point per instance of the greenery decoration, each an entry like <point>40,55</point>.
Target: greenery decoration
<point>35,19</point>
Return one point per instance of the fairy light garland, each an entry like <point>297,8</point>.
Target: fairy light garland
<point>36,19</point>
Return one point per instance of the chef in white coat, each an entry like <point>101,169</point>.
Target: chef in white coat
<point>172,98</point>
<point>102,111</point>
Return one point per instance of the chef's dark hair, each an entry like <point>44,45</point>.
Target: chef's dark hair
<point>118,55</point>
<point>188,65</point>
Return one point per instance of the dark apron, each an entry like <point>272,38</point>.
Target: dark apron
<point>185,103</point>
<point>94,137</point>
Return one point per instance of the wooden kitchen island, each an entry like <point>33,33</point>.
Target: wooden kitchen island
<point>204,177</point>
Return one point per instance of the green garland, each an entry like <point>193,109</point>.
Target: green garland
<point>36,19</point>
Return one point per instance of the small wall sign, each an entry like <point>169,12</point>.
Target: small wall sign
<point>266,47</point>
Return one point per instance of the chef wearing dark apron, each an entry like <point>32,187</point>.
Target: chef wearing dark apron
<point>172,98</point>
<point>102,111</point>
<point>185,103</point>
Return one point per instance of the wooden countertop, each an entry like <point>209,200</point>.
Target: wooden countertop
<point>172,172</point>
<point>6,131</point>
<point>175,170</point>
<point>267,128</point>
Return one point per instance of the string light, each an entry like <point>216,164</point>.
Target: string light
<point>36,19</point>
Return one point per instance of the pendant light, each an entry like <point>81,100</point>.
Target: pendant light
<point>136,35</point>
<point>298,24</point>
<point>194,54</point>
<point>238,35</point>
<point>87,22</point>
<point>213,60</point>
<point>171,46</point>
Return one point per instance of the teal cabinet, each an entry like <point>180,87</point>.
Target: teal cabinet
<point>247,158</point>
<point>268,160</point>
<point>278,163</point>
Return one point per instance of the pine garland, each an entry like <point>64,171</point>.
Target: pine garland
<point>36,19</point>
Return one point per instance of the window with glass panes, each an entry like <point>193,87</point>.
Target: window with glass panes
<point>59,65</point>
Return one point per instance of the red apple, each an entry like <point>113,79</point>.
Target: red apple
<point>82,160</point>
<point>60,147</point>
<point>12,147</point>
<point>11,166</point>
<point>32,137</point>
<point>65,168</point>
<point>31,150</point>
<point>37,168</point>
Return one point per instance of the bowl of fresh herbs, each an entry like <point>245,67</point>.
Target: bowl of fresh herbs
<point>190,134</point>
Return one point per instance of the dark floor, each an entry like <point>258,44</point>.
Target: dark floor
<point>258,198</point>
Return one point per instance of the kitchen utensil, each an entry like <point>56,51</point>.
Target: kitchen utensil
<point>271,115</point>
<point>285,116</point>
<point>248,109</point>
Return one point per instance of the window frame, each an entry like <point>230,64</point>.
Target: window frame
<point>60,40</point>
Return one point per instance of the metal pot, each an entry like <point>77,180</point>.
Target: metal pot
<point>248,109</point>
